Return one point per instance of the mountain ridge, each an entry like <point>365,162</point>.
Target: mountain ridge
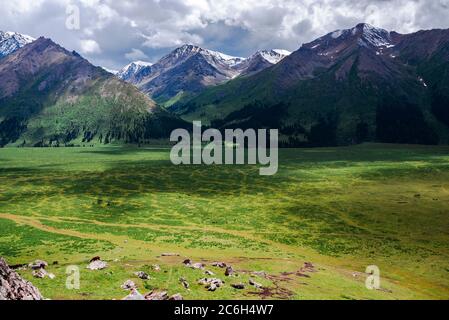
<point>348,86</point>
<point>51,96</point>
<point>194,69</point>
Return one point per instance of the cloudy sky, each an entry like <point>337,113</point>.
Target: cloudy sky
<point>112,33</point>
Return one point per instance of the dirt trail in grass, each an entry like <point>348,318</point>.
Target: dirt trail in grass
<point>291,255</point>
<point>124,241</point>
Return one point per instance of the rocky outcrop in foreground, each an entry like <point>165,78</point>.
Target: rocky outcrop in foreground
<point>13,287</point>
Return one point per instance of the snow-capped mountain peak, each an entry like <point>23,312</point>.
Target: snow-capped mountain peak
<point>282,52</point>
<point>11,41</point>
<point>142,63</point>
<point>227,59</point>
<point>273,56</point>
<point>370,35</point>
<point>190,68</point>
<point>362,35</point>
<point>132,69</point>
<point>188,50</point>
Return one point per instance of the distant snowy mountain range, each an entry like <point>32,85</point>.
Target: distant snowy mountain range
<point>362,84</point>
<point>189,69</point>
<point>142,73</point>
<point>186,70</point>
<point>11,41</point>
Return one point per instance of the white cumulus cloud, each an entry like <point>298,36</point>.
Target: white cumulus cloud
<point>120,30</point>
<point>89,46</point>
<point>136,54</point>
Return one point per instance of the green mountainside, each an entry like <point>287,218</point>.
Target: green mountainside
<point>50,96</point>
<point>350,86</point>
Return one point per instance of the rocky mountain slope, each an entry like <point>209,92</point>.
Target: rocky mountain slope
<point>13,287</point>
<point>260,61</point>
<point>188,70</point>
<point>50,96</point>
<point>349,86</point>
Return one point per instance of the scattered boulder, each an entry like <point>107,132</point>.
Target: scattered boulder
<point>184,282</point>
<point>198,265</point>
<point>176,297</point>
<point>42,273</point>
<point>97,265</point>
<point>129,285</point>
<point>156,267</point>
<point>255,284</point>
<point>134,296</point>
<point>229,271</point>
<point>189,263</point>
<point>211,287</point>
<point>219,264</point>
<point>13,287</point>
<point>209,273</point>
<point>211,284</point>
<point>97,258</point>
<point>157,295</point>
<point>239,286</point>
<point>38,264</point>
<point>39,273</point>
<point>142,275</point>
<point>261,274</point>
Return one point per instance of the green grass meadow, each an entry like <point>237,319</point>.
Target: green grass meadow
<point>342,209</point>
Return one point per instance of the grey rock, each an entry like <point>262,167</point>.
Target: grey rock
<point>255,284</point>
<point>156,267</point>
<point>176,297</point>
<point>129,285</point>
<point>142,275</point>
<point>261,274</point>
<point>229,271</point>
<point>197,266</point>
<point>219,264</point>
<point>134,296</point>
<point>239,286</point>
<point>42,273</point>
<point>211,287</point>
<point>38,264</point>
<point>211,284</point>
<point>13,287</point>
<point>157,295</point>
<point>97,265</point>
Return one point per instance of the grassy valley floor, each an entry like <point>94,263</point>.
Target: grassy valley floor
<point>341,209</point>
